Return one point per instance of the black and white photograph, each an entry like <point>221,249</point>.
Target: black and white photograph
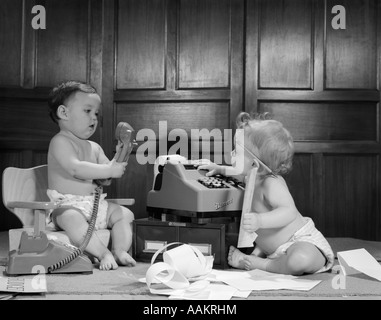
<point>190,156</point>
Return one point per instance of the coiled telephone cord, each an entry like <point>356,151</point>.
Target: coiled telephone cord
<point>80,250</point>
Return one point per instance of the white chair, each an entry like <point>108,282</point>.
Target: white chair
<point>24,194</point>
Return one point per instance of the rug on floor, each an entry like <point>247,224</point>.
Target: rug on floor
<point>125,280</point>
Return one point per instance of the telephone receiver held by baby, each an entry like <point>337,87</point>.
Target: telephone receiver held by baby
<point>125,135</point>
<point>53,256</point>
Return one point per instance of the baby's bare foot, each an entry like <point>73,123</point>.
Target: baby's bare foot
<point>252,262</point>
<point>108,262</point>
<point>235,258</point>
<point>123,258</point>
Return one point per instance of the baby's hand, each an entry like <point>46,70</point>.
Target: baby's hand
<point>118,151</point>
<point>117,168</point>
<point>212,168</point>
<point>201,162</point>
<point>251,222</point>
<point>118,146</point>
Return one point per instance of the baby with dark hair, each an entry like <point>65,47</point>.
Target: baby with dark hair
<point>74,164</point>
<point>287,242</point>
<point>59,95</point>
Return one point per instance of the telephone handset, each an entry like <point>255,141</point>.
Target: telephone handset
<point>125,135</point>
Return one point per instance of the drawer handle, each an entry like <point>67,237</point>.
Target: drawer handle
<point>151,246</point>
<point>205,248</point>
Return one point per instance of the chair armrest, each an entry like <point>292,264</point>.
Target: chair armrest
<point>122,202</point>
<point>34,205</point>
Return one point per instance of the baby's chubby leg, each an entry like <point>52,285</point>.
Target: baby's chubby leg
<point>300,258</point>
<point>119,221</point>
<point>75,225</point>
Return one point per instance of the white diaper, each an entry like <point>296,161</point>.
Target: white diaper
<point>309,233</point>
<point>84,204</point>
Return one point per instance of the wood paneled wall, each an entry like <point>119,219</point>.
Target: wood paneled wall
<point>196,64</point>
<point>31,63</point>
<point>179,62</point>
<point>323,84</point>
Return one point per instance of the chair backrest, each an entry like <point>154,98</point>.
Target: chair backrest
<point>25,185</point>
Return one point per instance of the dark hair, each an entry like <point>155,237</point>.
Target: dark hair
<point>59,95</point>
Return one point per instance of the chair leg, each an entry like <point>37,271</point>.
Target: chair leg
<point>39,222</point>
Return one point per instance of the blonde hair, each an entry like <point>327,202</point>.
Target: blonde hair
<point>274,143</point>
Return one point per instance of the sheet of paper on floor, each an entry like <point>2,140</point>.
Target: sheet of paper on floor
<point>37,284</point>
<point>220,275</point>
<point>359,261</point>
<point>272,284</point>
<point>237,284</point>
<point>212,292</point>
